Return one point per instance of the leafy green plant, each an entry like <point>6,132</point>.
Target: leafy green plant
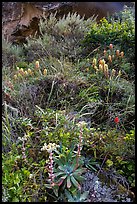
<point>13,177</point>
<point>68,170</point>
<point>77,197</point>
<point>59,38</point>
<point>90,163</point>
<point>120,32</point>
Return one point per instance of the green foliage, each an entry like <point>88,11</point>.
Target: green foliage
<point>69,169</point>
<point>11,54</point>
<point>59,38</point>
<point>118,146</point>
<point>13,178</point>
<point>112,142</point>
<point>43,108</point>
<point>55,125</point>
<point>77,197</point>
<point>120,32</point>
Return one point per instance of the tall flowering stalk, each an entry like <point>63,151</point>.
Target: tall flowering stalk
<point>23,139</point>
<point>51,173</point>
<point>80,124</point>
<point>50,148</point>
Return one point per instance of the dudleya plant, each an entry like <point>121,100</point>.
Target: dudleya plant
<point>67,171</point>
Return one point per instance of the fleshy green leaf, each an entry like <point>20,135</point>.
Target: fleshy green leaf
<point>59,173</point>
<point>68,182</point>
<point>75,183</point>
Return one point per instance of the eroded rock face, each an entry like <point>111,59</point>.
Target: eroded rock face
<point>20,19</point>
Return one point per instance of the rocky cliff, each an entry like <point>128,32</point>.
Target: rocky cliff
<point>20,19</point>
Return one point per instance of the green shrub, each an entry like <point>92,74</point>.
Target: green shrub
<point>59,38</point>
<point>120,32</point>
<point>119,148</point>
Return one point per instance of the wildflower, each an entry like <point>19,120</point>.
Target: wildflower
<point>122,54</point>
<point>100,67</point>
<point>18,68</point>
<point>45,72</point>
<point>106,70</point>
<point>117,53</point>
<point>15,77</point>
<point>106,67</point>
<point>95,67</point>
<point>119,73</point>
<point>19,75</point>
<point>37,64</point>
<point>31,176</point>
<point>110,58</point>
<point>113,72</point>
<point>116,120</point>
<point>94,62</point>
<point>26,73</point>
<point>111,46</point>
<point>102,62</point>
<point>87,69</point>
<point>29,71</point>
<point>21,71</point>
<point>50,147</point>
<point>105,52</point>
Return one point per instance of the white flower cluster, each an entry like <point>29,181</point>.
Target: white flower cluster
<point>24,138</point>
<point>50,147</point>
<point>81,124</point>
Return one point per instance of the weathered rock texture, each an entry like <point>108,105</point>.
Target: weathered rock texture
<point>20,19</point>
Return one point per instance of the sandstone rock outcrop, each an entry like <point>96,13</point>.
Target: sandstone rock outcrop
<point>20,19</point>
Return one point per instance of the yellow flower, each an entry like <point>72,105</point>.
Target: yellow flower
<point>45,72</point>
<point>94,62</point>
<point>37,64</point>
<point>87,69</point>
<point>29,71</point>
<point>106,67</point>
<point>105,52</point>
<point>119,73</point>
<point>26,73</point>
<point>100,67</point>
<point>122,54</point>
<point>117,53</point>
<point>113,72</point>
<point>102,61</point>
<point>15,76</point>
<point>95,67</point>
<point>21,71</point>
<point>106,70</point>
<point>19,75</point>
<point>110,58</point>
